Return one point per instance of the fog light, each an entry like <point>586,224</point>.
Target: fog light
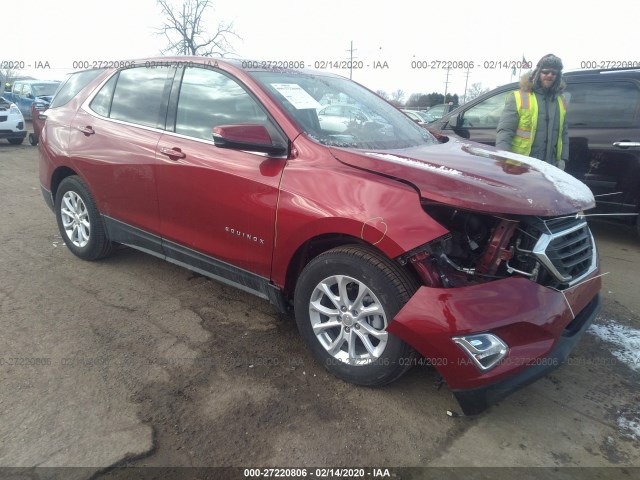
<point>485,349</point>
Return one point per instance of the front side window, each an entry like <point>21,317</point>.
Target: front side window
<point>209,98</point>
<point>140,96</point>
<point>335,111</point>
<point>485,114</point>
<point>600,104</point>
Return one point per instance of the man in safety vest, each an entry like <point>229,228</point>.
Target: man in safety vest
<point>533,120</point>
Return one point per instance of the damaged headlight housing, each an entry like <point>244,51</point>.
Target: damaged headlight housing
<point>485,349</point>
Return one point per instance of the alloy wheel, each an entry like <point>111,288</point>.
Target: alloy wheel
<point>348,320</point>
<point>75,219</point>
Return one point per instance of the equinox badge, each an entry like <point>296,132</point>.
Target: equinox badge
<point>240,234</point>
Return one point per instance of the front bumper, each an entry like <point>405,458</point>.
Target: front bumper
<point>476,400</point>
<point>12,134</point>
<point>540,325</point>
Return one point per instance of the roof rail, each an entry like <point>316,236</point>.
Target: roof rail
<point>603,70</point>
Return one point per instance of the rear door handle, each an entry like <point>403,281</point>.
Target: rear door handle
<point>173,153</point>
<point>88,130</point>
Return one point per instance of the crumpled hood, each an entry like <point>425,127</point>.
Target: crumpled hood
<point>478,177</point>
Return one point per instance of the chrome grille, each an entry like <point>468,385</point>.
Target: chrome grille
<point>568,253</point>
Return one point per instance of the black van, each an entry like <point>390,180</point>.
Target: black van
<point>603,117</point>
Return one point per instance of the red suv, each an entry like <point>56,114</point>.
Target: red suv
<point>390,247</point>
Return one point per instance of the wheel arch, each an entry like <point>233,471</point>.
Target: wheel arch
<point>317,245</point>
<point>59,174</point>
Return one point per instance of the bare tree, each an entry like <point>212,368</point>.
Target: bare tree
<point>397,96</point>
<point>186,32</point>
<point>383,94</point>
<point>475,90</point>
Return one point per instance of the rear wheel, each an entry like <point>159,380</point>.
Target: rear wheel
<point>81,225</point>
<point>344,301</point>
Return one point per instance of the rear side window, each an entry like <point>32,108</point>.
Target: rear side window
<point>602,104</point>
<point>141,96</point>
<point>70,88</point>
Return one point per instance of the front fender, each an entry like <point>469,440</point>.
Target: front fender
<point>321,196</point>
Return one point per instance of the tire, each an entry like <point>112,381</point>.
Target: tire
<point>33,139</point>
<point>16,141</point>
<point>330,297</point>
<point>81,225</point>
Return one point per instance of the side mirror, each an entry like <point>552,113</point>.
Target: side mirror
<point>253,138</point>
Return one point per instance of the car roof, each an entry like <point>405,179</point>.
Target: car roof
<point>618,72</point>
<point>244,64</point>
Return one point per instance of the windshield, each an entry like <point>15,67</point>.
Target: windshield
<point>337,112</point>
<point>44,89</point>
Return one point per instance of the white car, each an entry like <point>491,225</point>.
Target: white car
<point>12,125</point>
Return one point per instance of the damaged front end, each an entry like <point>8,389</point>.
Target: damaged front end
<point>505,299</point>
<point>554,252</point>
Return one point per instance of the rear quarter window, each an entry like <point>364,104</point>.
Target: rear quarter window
<point>72,85</point>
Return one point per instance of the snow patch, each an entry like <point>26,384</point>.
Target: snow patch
<point>630,428</point>
<point>562,181</point>
<point>414,163</point>
<point>625,339</point>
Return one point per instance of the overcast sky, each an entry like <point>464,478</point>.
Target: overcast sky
<point>396,32</point>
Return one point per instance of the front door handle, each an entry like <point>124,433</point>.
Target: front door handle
<point>88,130</point>
<point>173,153</point>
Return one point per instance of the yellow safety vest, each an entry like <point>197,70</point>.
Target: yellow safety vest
<point>527,107</point>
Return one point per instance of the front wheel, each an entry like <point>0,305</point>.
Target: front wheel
<point>81,225</point>
<point>344,301</point>
<point>16,141</point>
<point>33,139</point>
